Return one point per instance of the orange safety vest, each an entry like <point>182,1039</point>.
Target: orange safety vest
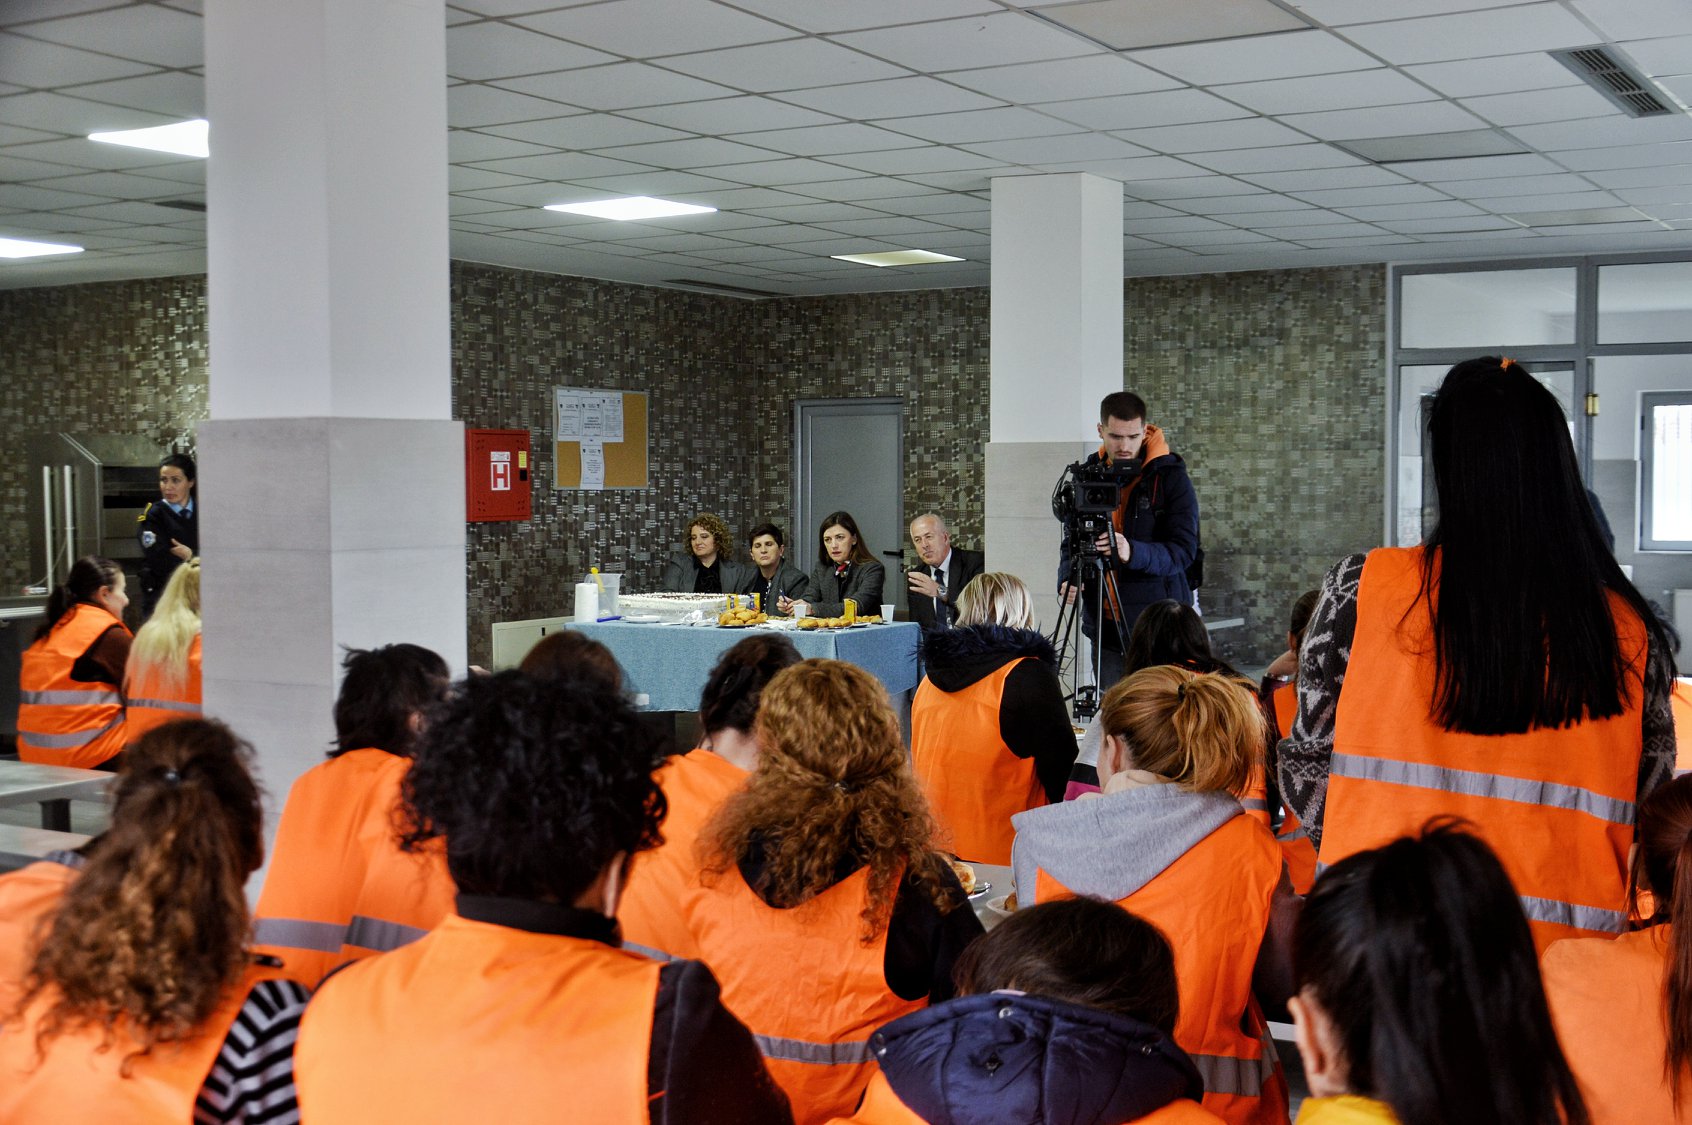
<point>1606,997</point>
<point>650,913</point>
<point>481,1022</point>
<point>29,897</point>
<point>1213,906</point>
<point>1681,704</point>
<point>62,721</point>
<point>1296,847</point>
<point>78,1081</point>
<point>881,1106</point>
<point>152,702</point>
<point>973,782</point>
<point>1556,805</point>
<point>804,982</point>
<point>339,888</point>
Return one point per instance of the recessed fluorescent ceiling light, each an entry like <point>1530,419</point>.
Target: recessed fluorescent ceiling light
<point>897,258</point>
<point>1432,146</point>
<point>1578,218</point>
<point>1127,24</point>
<point>185,138</point>
<point>631,207</point>
<point>21,248</point>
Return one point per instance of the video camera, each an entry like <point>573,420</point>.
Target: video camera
<point>1089,491</point>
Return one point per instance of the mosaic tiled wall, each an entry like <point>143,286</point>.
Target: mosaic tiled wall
<point>1272,386</point>
<point>121,357</point>
<point>927,347</point>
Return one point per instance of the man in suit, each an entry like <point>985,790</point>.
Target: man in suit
<point>945,571</point>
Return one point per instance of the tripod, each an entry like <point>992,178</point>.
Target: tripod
<point>1090,575</point>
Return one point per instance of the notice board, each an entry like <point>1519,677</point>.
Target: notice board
<point>599,438</point>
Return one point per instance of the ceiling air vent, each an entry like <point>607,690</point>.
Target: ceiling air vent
<point>1626,89</point>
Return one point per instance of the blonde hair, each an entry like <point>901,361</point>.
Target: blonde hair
<point>996,599</point>
<point>162,644</point>
<point>833,785</point>
<point>1203,731</point>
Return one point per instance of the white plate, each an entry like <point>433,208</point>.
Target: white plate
<point>641,618</point>
<point>997,906</point>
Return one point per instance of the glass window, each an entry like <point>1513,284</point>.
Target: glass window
<point>1665,449</point>
<point>1487,309</point>
<point>1648,303</point>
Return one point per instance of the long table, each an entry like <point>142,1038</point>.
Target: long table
<point>52,787</point>
<point>670,663</point>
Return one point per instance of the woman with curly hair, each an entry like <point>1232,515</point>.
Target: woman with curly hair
<point>142,1002</point>
<point>709,566</point>
<point>823,910</point>
<point>520,1007</point>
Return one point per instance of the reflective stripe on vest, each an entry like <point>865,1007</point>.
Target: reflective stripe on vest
<point>1555,804</point>
<point>70,741</point>
<point>1255,804</point>
<point>326,937</point>
<point>973,782</point>
<point>380,935</point>
<point>157,697</point>
<point>64,721</point>
<point>168,705</point>
<point>827,1054</point>
<point>77,697</point>
<point>648,952</point>
<point>1246,1078</point>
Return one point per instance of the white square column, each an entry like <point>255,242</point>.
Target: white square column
<point>1056,350</point>
<point>331,473</point>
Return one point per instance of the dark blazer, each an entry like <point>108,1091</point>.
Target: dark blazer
<point>679,573</point>
<point>962,566</point>
<point>788,580</point>
<point>862,586</point>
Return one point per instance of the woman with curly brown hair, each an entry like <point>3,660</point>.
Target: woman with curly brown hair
<point>709,566</point>
<point>823,910</point>
<point>142,1002</point>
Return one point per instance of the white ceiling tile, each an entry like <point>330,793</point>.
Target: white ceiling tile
<point>1339,13</point>
<point>1316,179</point>
<point>176,94</point>
<point>188,171</point>
<point>481,51</point>
<point>1228,237</point>
<point>997,39</point>
<point>1642,177</point>
<point>775,173</point>
<point>559,166</point>
<point>863,188</point>
<point>470,106</point>
<point>1598,228</point>
<point>1649,196</point>
<point>1142,111</point>
<point>127,212</point>
<point>1549,201</point>
<point>1478,167</point>
<point>1173,224</point>
<point>1325,230</point>
<point>1256,57</point>
<point>117,185</point>
<point>1245,133</point>
<point>732,115</point>
<point>142,32</point>
<point>460,178</point>
<point>1139,168</point>
<point>1283,159</point>
<point>1386,121</point>
<point>977,181</point>
<point>1606,133</point>
<point>828,140</point>
<point>1661,56</point>
<point>944,206</point>
<point>789,65</point>
<point>1638,19</point>
<point>1069,149</point>
<point>32,62</point>
<point>1503,74</point>
<point>824,16</point>
<point>680,242</point>
<point>1401,211</point>
<point>748,198</point>
<point>618,86</point>
<point>57,222</point>
<point>15,168</point>
<point>906,161</point>
<point>1187,187</point>
<point>647,28</point>
<point>683,186</point>
<point>1629,156</point>
<point>1668,211</point>
<point>1448,225</point>
<point>56,113</point>
<point>795,233</point>
<point>13,135</point>
<point>1092,76</point>
<point>830,213</point>
<point>1345,243</point>
<point>1535,106</point>
<point>1351,90</point>
<point>1348,198</point>
<point>892,98</point>
<point>465,146</point>
<point>1680,85</point>
<point>585,130</point>
<point>1473,35</point>
<point>25,11</point>
<point>688,153</point>
<point>1008,123</point>
<point>1513,185</point>
<point>1244,208</point>
<point>1316,217</point>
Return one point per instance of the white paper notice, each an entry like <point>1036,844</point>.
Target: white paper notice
<point>613,417</point>
<point>593,465</point>
<point>593,419</point>
<point>569,425</point>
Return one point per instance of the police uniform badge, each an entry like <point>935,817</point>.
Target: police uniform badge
<point>148,539</point>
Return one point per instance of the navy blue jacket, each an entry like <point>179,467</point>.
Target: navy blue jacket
<point>1003,1056</point>
<point>1161,522</point>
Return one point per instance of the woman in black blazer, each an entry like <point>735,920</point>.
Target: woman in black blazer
<point>845,569</point>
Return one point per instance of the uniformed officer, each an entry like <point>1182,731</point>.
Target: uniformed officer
<point>169,531</point>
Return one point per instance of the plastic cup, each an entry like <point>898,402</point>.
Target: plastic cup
<point>887,609</point>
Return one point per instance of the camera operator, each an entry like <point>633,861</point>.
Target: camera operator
<point>1153,545</point>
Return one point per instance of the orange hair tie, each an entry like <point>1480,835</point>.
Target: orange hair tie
<point>1504,363</point>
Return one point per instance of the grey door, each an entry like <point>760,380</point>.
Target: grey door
<point>850,456</point>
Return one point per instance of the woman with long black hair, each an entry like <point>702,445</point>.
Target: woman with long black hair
<point>1504,671</point>
<point>70,700</point>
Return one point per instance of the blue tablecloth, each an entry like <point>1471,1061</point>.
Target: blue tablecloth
<point>669,663</point>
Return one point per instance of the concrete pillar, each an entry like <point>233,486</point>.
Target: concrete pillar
<point>331,473</point>
<point>1056,351</point>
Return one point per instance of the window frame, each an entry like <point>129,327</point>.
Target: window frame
<point>1649,401</point>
